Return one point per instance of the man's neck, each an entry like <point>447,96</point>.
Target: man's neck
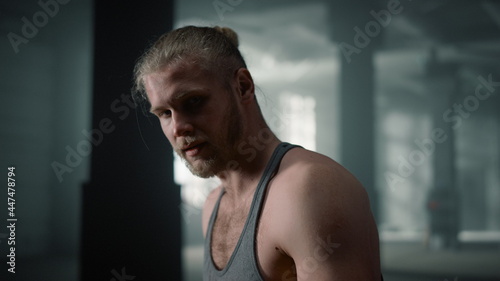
<point>239,183</point>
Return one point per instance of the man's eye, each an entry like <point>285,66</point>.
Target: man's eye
<point>165,113</point>
<point>194,104</point>
<point>194,100</point>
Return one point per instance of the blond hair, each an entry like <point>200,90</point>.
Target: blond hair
<point>215,49</point>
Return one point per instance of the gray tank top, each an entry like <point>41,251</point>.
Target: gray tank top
<point>242,264</point>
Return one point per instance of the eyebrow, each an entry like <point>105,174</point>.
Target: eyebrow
<point>178,96</point>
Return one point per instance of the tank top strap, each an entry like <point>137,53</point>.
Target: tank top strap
<point>269,172</point>
<point>271,169</point>
<point>250,236</point>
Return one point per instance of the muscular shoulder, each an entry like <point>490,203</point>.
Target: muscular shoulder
<point>208,207</point>
<point>306,176</point>
<point>321,202</point>
<point>310,182</point>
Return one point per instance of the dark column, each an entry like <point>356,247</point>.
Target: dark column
<point>357,34</point>
<point>131,216</point>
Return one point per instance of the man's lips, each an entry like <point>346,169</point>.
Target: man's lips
<point>193,149</point>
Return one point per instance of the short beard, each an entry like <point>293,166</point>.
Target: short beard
<point>225,149</point>
<point>207,169</point>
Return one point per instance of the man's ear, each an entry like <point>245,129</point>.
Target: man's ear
<point>245,86</point>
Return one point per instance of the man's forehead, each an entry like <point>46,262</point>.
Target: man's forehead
<point>173,82</point>
<point>175,72</point>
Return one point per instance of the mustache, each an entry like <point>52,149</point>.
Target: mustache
<point>186,141</point>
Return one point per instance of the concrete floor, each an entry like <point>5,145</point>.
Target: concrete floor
<point>470,262</point>
<point>400,262</point>
<point>407,262</point>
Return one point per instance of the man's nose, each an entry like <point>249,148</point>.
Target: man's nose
<point>182,126</point>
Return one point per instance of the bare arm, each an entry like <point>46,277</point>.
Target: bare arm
<point>331,233</point>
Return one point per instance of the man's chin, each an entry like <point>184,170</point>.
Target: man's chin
<point>202,173</point>
<point>206,166</point>
<point>203,168</point>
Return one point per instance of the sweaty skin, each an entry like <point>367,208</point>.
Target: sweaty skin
<point>316,222</point>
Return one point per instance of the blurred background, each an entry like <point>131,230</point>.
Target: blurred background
<point>405,94</point>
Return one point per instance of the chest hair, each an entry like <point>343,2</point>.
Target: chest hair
<point>227,230</point>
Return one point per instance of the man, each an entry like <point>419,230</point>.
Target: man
<point>281,212</point>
